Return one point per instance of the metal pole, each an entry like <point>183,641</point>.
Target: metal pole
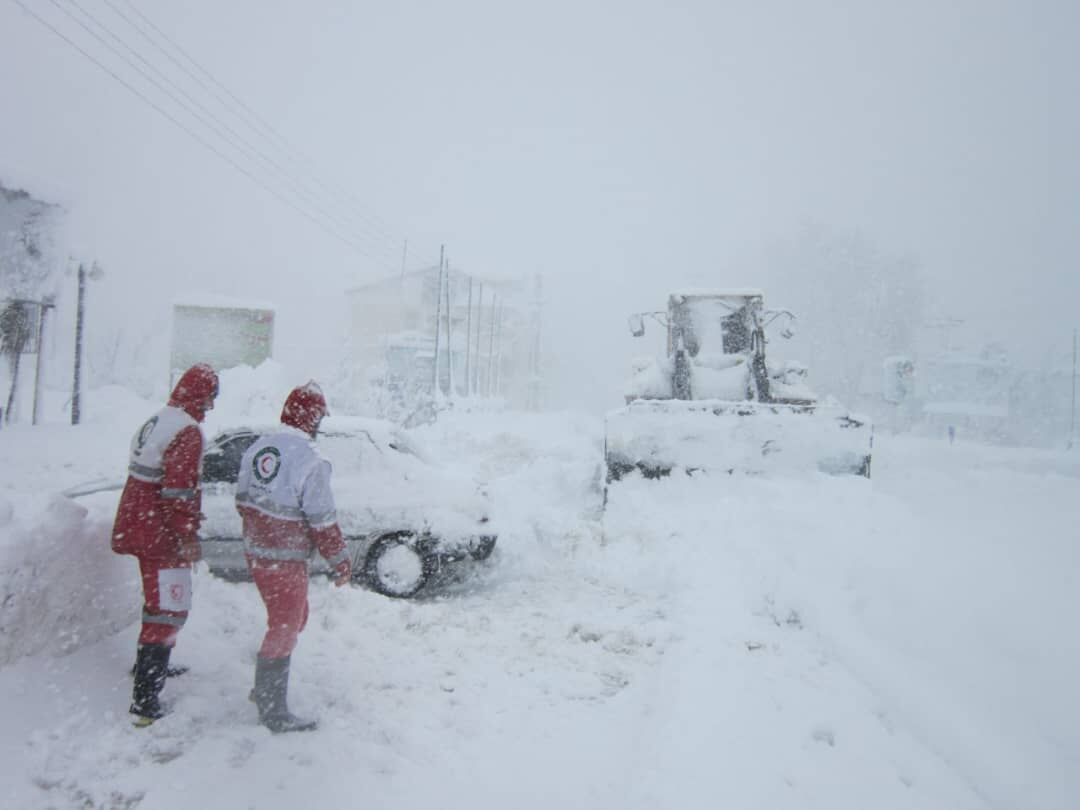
<point>438,324</point>
<point>1072,417</point>
<point>404,256</point>
<point>449,335</point>
<point>468,342</point>
<point>498,353</point>
<point>76,385</point>
<point>479,323</point>
<point>45,307</point>
<point>491,349</point>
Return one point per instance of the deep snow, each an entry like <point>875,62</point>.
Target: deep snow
<point>792,642</point>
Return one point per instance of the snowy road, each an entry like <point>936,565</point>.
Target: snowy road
<point>797,643</point>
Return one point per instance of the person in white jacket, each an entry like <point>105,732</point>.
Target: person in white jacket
<point>283,495</point>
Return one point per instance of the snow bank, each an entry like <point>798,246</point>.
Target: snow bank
<point>60,584</point>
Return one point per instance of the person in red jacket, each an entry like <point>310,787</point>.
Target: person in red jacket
<point>157,521</point>
<point>283,495</point>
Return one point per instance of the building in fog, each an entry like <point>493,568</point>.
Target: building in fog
<point>428,334</point>
<point>986,396</point>
<point>967,392</point>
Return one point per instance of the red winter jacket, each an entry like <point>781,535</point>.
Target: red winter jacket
<point>159,511</point>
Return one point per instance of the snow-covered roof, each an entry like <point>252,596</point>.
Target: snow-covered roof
<point>210,301</point>
<point>966,409</point>
<point>391,279</point>
<point>494,279</point>
<point>960,358</point>
<point>722,292</point>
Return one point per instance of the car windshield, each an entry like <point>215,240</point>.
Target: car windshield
<point>221,462</point>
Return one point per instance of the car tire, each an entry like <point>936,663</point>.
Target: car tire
<point>395,567</point>
<point>485,544</point>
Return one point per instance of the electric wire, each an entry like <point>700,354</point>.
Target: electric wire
<point>194,135</point>
<point>289,179</point>
<point>230,102</point>
<point>256,122</point>
<point>222,130</point>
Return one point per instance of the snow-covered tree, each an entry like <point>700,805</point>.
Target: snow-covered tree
<point>16,331</point>
<point>29,267</point>
<point>28,249</point>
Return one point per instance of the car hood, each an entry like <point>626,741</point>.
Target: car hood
<point>371,501</point>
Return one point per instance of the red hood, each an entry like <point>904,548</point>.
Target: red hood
<point>304,408</point>
<point>195,391</point>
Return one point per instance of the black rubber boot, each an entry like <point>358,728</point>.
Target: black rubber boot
<point>271,688</point>
<point>171,672</point>
<point>151,668</point>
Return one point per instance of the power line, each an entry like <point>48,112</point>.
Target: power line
<point>202,141</point>
<point>208,119</point>
<point>256,121</point>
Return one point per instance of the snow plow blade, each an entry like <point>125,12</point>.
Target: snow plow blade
<point>756,438</point>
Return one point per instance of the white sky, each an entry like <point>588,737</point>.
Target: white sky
<point>620,148</point>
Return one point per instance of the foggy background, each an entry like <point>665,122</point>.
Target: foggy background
<point>620,149</point>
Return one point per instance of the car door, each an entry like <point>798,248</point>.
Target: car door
<point>221,533</point>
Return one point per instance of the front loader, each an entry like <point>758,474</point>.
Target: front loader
<point>715,404</point>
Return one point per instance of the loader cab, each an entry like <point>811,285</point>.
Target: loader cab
<point>716,323</point>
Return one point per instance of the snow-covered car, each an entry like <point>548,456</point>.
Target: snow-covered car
<point>404,517</point>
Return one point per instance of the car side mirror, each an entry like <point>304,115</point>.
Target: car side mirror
<point>637,325</point>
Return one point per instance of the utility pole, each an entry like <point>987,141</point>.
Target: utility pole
<point>1072,417</point>
<point>491,349</point>
<point>435,389</point>
<point>449,335</point>
<point>76,386</point>
<point>468,342</point>
<point>498,353</point>
<point>45,305</point>
<point>479,323</point>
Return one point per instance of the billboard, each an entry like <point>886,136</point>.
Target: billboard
<point>223,336</point>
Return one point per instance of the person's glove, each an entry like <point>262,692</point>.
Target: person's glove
<point>189,549</point>
<point>342,573</point>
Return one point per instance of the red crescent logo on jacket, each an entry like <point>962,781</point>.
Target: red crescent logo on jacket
<point>145,431</point>
<point>266,464</point>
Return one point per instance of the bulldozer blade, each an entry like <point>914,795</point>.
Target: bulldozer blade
<point>656,437</point>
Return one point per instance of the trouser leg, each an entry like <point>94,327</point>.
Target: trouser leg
<point>283,587</point>
<point>166,600</point>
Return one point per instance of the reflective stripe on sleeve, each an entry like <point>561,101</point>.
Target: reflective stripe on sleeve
<point>178,494</point>
<point>325,519</point>
<point>268,507</point>
<point>149,474</point>
<point>162,618</point>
